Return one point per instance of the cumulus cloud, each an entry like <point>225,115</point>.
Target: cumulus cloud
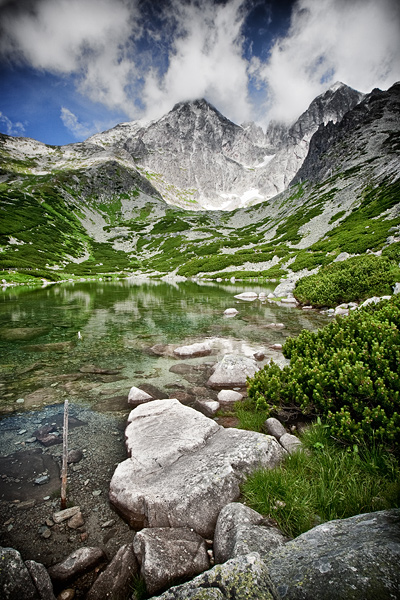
<point>86,38</point>
<point>206,60</point>
<point>141,57</point>
<point>355,42</point>
<point>10,127</point>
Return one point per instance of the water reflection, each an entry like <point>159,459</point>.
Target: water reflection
<point>118,323</point>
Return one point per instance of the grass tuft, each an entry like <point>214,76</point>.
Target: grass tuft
<point>323,483</point>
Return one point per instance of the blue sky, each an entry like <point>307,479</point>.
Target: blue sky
<point>70,68</point>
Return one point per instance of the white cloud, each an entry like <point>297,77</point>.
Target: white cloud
<point>119,57</point>
<point>71,122</point>
<point>356,42</point>
<point>205,61</point>
<point>85,38</point>
<point>11,128</point>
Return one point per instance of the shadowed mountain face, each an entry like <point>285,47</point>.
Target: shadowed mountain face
<point>195,193</point>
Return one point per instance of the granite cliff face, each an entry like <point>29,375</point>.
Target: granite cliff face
<point>196,158</point>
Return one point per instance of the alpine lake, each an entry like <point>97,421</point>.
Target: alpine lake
<point>91,341</point>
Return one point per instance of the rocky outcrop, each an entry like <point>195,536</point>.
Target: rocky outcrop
<point>353,558</point>
<point>15,579</point>
<point>183,467</point>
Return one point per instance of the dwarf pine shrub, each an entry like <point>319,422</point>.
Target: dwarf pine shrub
<point>351,280</point>
<point>347,373</point>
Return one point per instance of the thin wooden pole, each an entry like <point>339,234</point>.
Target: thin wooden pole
<point>64,459</point>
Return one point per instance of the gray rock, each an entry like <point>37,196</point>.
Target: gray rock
<point>41,580</point>
<point>67,513</point>
<point>242,578</point>
<point>232,371</point>
<point>290,442</point>
<point>284,289</point>
<point>15,580</point>
<point>166,555</point>
<point>114,581</point>
<point>228,397</point>
<point>74,456</point>
<point>355,558</point>
<point>274,427</point>
<point>184,467</point>
<point>193,350</point>
<point>241,530</point>
<point>247,296</point>
<point>231,312</point>
<point>208,407</point>
<point>77,563</point>
<point>342,256</point>
<point>137,396</point>
<point>396,288</point>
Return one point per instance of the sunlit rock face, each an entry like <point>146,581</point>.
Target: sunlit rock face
<point>198,159</point>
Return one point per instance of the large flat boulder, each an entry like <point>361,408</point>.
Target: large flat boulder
<point>183,467</point>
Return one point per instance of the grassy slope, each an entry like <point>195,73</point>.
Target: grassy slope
<point>103,220</point>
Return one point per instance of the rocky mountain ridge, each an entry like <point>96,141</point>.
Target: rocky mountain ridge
<point>97,207</point>
<point>198,159</point>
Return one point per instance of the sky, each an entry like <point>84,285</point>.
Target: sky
<point>71,68</point>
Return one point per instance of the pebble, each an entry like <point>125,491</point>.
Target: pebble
<point>96,493</point>
<point>20,401</point>
<point>108,523</point>
<point>42,480</point>
<point>22,431</point>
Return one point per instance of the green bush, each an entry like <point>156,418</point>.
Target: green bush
<point>351,280</point>
<point>347,373</point>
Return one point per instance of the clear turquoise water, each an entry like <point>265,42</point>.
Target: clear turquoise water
<point>118,323</point>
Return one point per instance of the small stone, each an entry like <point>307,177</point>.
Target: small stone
<point>67,594</point>
<point>30,440</point>
<point>26,504</point>
<point>49,522</point>
<point>46,498</point>
<point>42,480</point>
<point>84,536</point>
<point>109,523</point>
<point>20,401</point>
<point>76,521</point>
<point>96,493</point>
<point>74,456</point>
<point>276,346</point>
<point>63,515</point>
<point>46,533</point>
<point>21,431</point>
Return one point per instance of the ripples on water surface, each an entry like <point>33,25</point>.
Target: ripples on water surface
<point>118,323</point>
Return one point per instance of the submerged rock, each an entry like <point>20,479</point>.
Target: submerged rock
<point>193,350</point>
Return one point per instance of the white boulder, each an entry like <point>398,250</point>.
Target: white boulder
<point>183,467</point>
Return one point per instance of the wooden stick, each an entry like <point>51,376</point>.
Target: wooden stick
<point>64,459</point>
